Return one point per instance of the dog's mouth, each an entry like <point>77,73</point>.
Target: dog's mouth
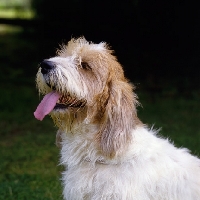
<point>55,101</point>
<point>66,101</point>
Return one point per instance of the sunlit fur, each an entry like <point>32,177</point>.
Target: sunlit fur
<point>107,152</point>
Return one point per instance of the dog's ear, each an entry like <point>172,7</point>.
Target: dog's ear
<point>119,119</point>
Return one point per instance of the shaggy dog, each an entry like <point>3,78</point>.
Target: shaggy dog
<point>108,153</point>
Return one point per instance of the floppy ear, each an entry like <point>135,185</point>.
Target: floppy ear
<point>120,117</point>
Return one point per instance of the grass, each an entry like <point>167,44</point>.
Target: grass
<point>178,118</point>
<point>16,13</point>
<point>29,158</point>
<point>5,29</point>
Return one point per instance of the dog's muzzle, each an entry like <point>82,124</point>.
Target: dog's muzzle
<point>55,100</point>
<point>47,66</point>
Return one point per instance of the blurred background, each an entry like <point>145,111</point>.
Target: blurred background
<point>158,44</point>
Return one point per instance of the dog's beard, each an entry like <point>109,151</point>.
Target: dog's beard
<point>63,119</point>
<point>67,119</point>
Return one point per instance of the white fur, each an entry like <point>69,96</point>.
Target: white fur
<point>107,152</point>
<point>151,169</point>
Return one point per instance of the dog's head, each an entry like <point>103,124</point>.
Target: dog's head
<point>84,84</point>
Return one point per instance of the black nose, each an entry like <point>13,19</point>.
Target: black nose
<point>46,66</point>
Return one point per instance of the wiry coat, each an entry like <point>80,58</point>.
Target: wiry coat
<point>106,150</point>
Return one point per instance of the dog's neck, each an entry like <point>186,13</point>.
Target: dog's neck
<point>112,135</point>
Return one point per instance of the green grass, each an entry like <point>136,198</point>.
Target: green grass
<point>5,29</point>
<point>29,158</point>
<point>178,118</point>
<point>16,13</point>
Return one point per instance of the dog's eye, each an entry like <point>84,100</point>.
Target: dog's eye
<point>84,65</point>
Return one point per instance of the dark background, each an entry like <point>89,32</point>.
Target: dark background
<point>156,41</point>
<point>153,39</point>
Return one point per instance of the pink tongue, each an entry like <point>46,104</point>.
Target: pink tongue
<point>46,105</point>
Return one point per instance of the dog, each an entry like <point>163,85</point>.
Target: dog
<point>108,153</point>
